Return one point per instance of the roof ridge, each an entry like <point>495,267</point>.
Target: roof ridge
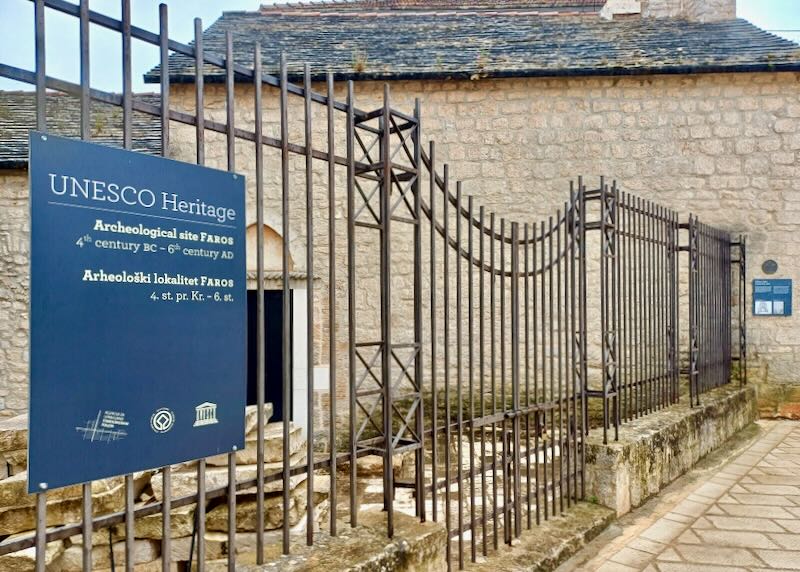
<point>429,5</point>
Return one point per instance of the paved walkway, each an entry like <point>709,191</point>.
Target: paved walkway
<point>744,518</point>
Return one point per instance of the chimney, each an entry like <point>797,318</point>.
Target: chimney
<point>692,10</point>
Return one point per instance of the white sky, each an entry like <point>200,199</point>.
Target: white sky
<point>17,38</point>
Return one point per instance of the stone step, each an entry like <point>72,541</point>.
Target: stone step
<point>184,480</point>
<point>144,551</point>
<point>273,446</point>
<point>14,433</point>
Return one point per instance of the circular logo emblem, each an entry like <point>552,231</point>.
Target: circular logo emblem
<point>162,420</point>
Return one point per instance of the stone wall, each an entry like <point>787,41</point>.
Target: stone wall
<point>723,146</point>
<point>694,10</point>
<point>14,249</point>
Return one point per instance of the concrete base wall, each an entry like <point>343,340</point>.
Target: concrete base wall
<point>655,450</point>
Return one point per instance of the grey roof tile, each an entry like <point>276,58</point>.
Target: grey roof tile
<point>18,117</point>
<point>389,44</point>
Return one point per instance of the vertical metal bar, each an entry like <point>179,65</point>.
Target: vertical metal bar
<point>566,450</point>
<point>446,302</point>
<point>493,368</point>
<point>163,42</point>
<point>231,149</point>
<point>231,511</point>
<point>287,308</point>
<point>200,516</point>
<point>386,312</point>
<point>166,517</point>
<point>545,398</point>
<point>604,301</point>
<point>351,303</point>
<point>310,307</point>
<point>575,353</point>
<point>584,329</point>
<point>87,527</point>
<point>537,398</point>
<point>41,528</point>
<point>503,402</point>
<point>551,335</point>
<point>613,311</point>
<point>434,334</point>
<point>743,296</point>
<point>418,363</point>
<point>616,310</point>
<point>229,102</point>
<point>692,332</point>
<point>127,83</point>
<point>86,513</point>
<point>622,385</point>
<point>85,68</point>
<point>482,372</point>
<point>560,395</point>
<point>675,307</point>
<point>651,300</point>
<point>471,374</point>
<point>459,382</point>
<point>127,112</point>
<point>639,305</point>
<point>41,74</point>
<point>129,519</point>
<point>515,375</point>
<point>527,326</point>
<point>332,411</point>
<point>258,126</point>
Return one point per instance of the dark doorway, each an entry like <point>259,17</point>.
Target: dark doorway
<point>273,333</point>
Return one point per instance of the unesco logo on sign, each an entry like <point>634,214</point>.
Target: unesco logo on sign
<point>162,420</point>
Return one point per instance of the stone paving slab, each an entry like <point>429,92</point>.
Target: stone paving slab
<point>743,517</point>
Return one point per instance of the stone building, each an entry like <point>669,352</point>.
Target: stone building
<point>677,100</point>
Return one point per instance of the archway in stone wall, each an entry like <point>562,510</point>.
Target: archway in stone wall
<point>273,249</point>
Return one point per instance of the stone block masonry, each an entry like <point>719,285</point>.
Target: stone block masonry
<point>723,146</point>
<point>655,450</point>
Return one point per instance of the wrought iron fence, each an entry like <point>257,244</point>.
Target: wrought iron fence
<point>481,366</point>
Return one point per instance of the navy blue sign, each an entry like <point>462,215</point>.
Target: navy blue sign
<point>138,324</point>
<point>772,297</point>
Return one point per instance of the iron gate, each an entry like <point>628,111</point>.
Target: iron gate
<point>488,377</point>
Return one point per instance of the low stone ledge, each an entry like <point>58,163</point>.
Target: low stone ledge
<point>416,547</point>
<point>656,449</point>
<point>544,547</point>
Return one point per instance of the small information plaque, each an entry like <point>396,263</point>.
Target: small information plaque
<point>772,297</point>
<point>138,320</point>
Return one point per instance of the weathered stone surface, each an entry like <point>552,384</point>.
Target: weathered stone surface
<point>181,523</point>
<point>154,566</point>
<point>416,547</point>
<point>14,433</point>
<point>217,518</point>
<point>654,450</point>
<point>273,446</point>
<point>251,418</point>
<point>180,548</point>
<point>25,560</point>
<point>184,480</point>
<point>372,465</point>
<point>101,537</point>
<point>108,496</point>
<point>144,551</point>
<point>17,459</point>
